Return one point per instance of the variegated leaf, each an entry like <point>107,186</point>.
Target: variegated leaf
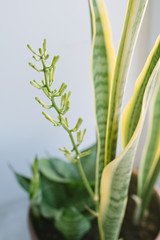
<point>132,112</point>
<point>102,64</point>
<point>150,164</point>
<point>116,176</point>
<point>134,16</point>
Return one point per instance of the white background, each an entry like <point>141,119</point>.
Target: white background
<point>24,132</point>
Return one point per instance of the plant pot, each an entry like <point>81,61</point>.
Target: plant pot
<point>147,230</point>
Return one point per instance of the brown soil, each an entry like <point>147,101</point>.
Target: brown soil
<point>147,230</point>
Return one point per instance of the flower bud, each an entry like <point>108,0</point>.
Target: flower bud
<point>40,51</point>
<point>47,56</point>
<point>43,104</point>
<point>55,60</point>
<point>79,122</point>
<point>35,58</point>
<point>62,88</point>
<point>70,158</point>
<point>31,49</point>
<point>79,136</point>
<point>55,123</point>
<point>34,67</point>
<point>83,134</point>
<point>35,84</point>
<point>44,45</point>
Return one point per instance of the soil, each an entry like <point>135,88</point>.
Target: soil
<point>147,230</point>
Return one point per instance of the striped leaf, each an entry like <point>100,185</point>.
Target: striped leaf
<point>134,16</point>
<point>102,63</point>
<point>132,112</point>
<point>150,164</point>
<point>116,176</point>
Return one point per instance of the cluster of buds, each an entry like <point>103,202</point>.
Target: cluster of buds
<point>45,86</point>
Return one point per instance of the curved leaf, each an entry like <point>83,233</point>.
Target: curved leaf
<point>134,16</point>
<point>102,64</point>
<point>72,224</point>
<point>150,164</point>
<point>58,195</point>
<point>57,170</point>
<point>116,176</point>
<point>53,194</point>
<point>132,112</point>
<point>61,171</point>
<point>22,180</point>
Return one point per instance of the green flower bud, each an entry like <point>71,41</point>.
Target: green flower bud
<point>40,51</point>
<point>34,67</point>
<point>62,88</point>
<point>83,154</point>
<point>44,45</point>
<point>55,60</point>
<point>70,158</point>
<point>55,123</point>
<point>50,76</point>
<point>79,122</point>
<point>62,149</point>
<point>35,58</point>
<point>66,121</point>
<point>66,108</point>
<point>63,99</point>
<point>69,94</point>
<point>83,134</point>
<point>43,104</point>
<point>53,74</point>
<point>47,56</point>
<point>31,49</point>
<point>79,136</point>
<point>35,84</point>
<point>45,90</point>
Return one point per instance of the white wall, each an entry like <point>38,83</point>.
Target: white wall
<point>24,132</point>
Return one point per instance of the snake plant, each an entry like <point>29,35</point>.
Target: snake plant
<point>95,184</point>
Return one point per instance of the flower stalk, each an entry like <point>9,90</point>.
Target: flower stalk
<point>49,73</point>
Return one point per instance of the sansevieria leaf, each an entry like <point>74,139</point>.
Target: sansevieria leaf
<point>132,112</point>
<point>102,64</point>
<point>116,175</point>
<point>150,164</point>
<point>134,16</point>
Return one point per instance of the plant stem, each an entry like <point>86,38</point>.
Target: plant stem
<point>85,181</point>
<point>83,175</point>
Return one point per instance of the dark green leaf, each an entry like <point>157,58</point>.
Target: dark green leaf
<point>47,168</point>
<point>23,181</point>
<point>50,212</point>
<point>65,169</point>
<point>72,224</point>
<point>53,193</point>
